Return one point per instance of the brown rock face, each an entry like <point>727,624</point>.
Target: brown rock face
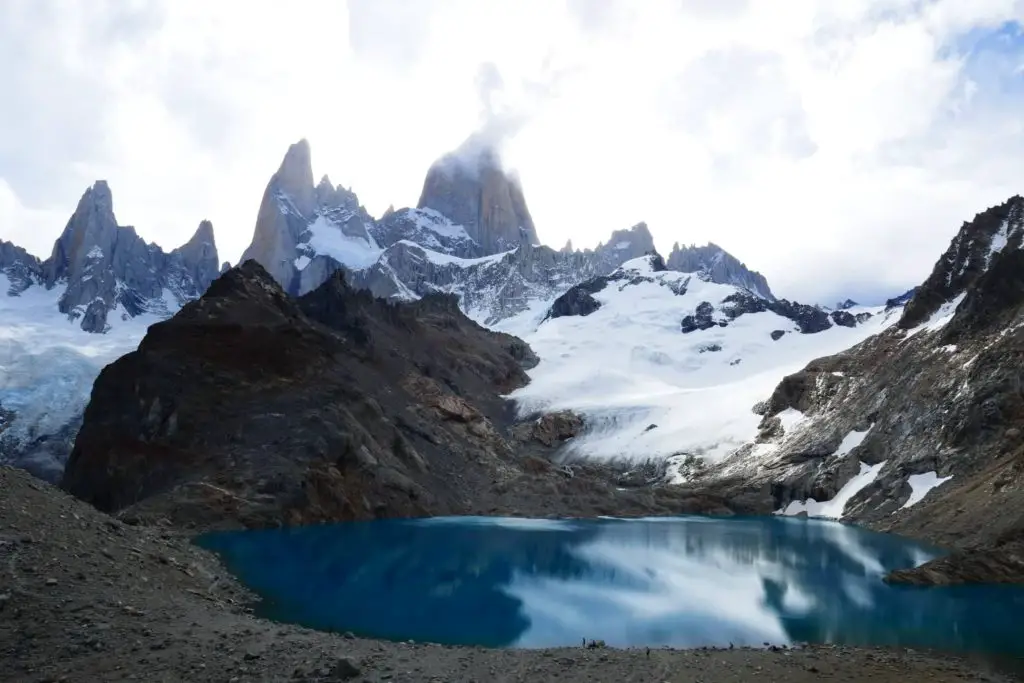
<point>551,429</point>
<point>943,398</point>
<point>470,187</point>
<point>250,407</point>
<point>1001,562</point>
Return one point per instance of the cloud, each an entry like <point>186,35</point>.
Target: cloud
<point>836,147</point>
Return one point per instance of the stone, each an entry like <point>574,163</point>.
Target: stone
<point>344,669</point>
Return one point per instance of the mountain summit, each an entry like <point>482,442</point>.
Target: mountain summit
<point>471,188</point>
<point>719,266</point>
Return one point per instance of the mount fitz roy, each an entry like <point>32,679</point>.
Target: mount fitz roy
<point>471,235</point>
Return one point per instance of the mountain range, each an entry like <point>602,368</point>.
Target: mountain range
<point>686,370</point>
<point>471,234</point>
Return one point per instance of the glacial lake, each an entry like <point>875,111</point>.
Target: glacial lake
<point>681,581</point>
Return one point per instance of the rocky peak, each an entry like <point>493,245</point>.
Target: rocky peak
<point>402,405</point>
<point>471,188</point>
<point>21,268</point>
<point>88,236</point>
<point>103,266</point>
<point>294,178</point>
<point>972,251</point>
<point>296,218</point>
<point>199,256</point>
<point>717,265</point>
<point>637,241</point>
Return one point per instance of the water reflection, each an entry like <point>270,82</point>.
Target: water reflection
<point>684,581</point>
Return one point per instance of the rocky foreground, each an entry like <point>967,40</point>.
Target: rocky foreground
<point>86,597</point>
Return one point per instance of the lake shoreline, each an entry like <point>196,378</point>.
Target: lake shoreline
<point>85,597</point>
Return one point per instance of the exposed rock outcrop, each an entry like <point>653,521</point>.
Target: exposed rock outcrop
<point>969,255</point>
<point>717,265</point>
<point>21,268</point>
<point>471,188</point>
<point>304,232</point>
<point>552,429</point>
<point>578,300</point>
<point>103,266</point>
<point>999,562</point>
<point>936,395</point>
<point>251,406</point>
<point>808,319</point>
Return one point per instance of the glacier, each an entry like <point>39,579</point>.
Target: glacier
<point>649,392</point>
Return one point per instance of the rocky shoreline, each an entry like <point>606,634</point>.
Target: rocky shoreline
<point>86,597</point>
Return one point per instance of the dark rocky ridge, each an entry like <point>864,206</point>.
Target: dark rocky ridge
<point>253,408</point>
<point>202,410</point>
<point>808,319</point>
<point>967,258</point>
<point>944,400</point>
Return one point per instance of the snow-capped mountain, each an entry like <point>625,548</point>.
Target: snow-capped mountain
<point>471,234</point>
<point>719,266</point>
<point>101,278</point>
<point>103,269</point>
<point>662,363</point>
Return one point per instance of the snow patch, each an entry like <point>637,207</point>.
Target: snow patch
<point>833,509</point>
<point>48,364</point>
<point>999,241</point>
<point>95,253</point>
<point>921,485</point>
<point>851,441</point>
<point>439,259</point>
<point>327,238</point>
<point>301,262</point>
<point>790,418</point>
<point>627,365</point>
<point>940,318</point>
<point>434,221</point>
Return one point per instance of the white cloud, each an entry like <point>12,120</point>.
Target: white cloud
<point>835,145</point>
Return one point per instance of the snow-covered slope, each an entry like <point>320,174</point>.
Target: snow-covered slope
<point>916,428</point>
<point>47,367</point>
<point>648,390</point>
<point>63,319</point>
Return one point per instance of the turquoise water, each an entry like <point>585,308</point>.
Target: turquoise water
<point>684,582</point>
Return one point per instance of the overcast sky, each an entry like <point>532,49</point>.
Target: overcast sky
<point>834,145</point>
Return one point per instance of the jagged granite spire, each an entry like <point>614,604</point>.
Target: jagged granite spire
<point>103,266</point>
<point>199,256</point>
<point>284,241</point>
<point>89,235</point>
<point>470,187</point>
<point>719,266</point>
